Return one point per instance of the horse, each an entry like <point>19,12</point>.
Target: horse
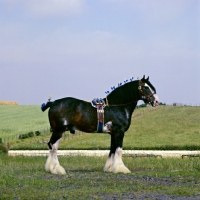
<point>70,114</point>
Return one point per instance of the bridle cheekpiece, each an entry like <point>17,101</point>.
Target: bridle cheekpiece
<point>145,96</point>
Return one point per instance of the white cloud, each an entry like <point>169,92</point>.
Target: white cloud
<point>97,46</point>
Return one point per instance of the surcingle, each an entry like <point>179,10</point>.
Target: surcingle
<point>99,104</point>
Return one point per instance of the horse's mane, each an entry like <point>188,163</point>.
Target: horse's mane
<point>124,94</point>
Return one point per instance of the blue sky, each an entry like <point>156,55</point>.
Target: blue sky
<point>80,48</point>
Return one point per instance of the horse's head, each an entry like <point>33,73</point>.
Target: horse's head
<point>148,92</point>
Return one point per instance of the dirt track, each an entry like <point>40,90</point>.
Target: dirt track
<point>150,181</point>
<point>142,186</point>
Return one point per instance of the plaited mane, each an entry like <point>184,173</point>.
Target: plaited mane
<point>124,94</point>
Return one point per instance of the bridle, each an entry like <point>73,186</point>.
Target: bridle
<point>144,96</point>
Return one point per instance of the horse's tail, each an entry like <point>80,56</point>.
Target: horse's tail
<point>45,106</point>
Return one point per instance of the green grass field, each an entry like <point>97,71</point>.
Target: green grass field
<point>151,178</point>
<point>19,119</point>
<point>165,127</point>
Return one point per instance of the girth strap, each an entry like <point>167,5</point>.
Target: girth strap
<point>99,104</point>
<point>100,117</point>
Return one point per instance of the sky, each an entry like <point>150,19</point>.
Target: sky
<point>81,48</point>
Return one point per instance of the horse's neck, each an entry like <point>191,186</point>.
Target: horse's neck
<point>129,111</point>
<point>122,96</point>
<point>131,108</point>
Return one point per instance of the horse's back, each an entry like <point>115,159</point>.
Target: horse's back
<point>73,112</point>
<point>64,102</point>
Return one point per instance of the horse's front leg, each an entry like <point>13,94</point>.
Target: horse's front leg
<point>52,164</point>
<point>118,165</point>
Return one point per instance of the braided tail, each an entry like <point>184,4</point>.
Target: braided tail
<point>45,106</point>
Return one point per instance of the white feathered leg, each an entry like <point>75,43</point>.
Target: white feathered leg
<point>52,163</point>
<point>109,163</point>
<point>118,165</point>
<point>49,161</point>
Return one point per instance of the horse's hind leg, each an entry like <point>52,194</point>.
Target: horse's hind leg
<point>52,164</point>
<point>110,159</point>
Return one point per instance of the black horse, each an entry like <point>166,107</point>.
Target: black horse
<point>70,114</point>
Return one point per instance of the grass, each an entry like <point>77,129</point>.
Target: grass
<point>85,179</point>
<point>151,178</point>
<point>21,119</point>
<point>169,126</point>
<point>166,128</point>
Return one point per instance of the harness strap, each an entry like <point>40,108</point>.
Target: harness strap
<point>100,117</point>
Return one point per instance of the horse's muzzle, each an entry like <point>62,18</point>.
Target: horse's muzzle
<point>155,100</point>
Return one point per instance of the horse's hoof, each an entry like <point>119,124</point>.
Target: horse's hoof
<point>58,169</point>
<point>121,169</point>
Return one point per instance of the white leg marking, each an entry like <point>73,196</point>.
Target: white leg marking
<point>49,161</point>
<point>52,163</point>
<point>55,167</point>
<point>118,165</point>
<point>109,163</point>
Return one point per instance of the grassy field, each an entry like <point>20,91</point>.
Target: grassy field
<point>151,178</point>
<point>163,128</point>
<point>19,119</point>
<point>25,118</point>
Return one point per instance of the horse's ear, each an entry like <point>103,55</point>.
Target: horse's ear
<point>147,78</point>
<point>143,78</point>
